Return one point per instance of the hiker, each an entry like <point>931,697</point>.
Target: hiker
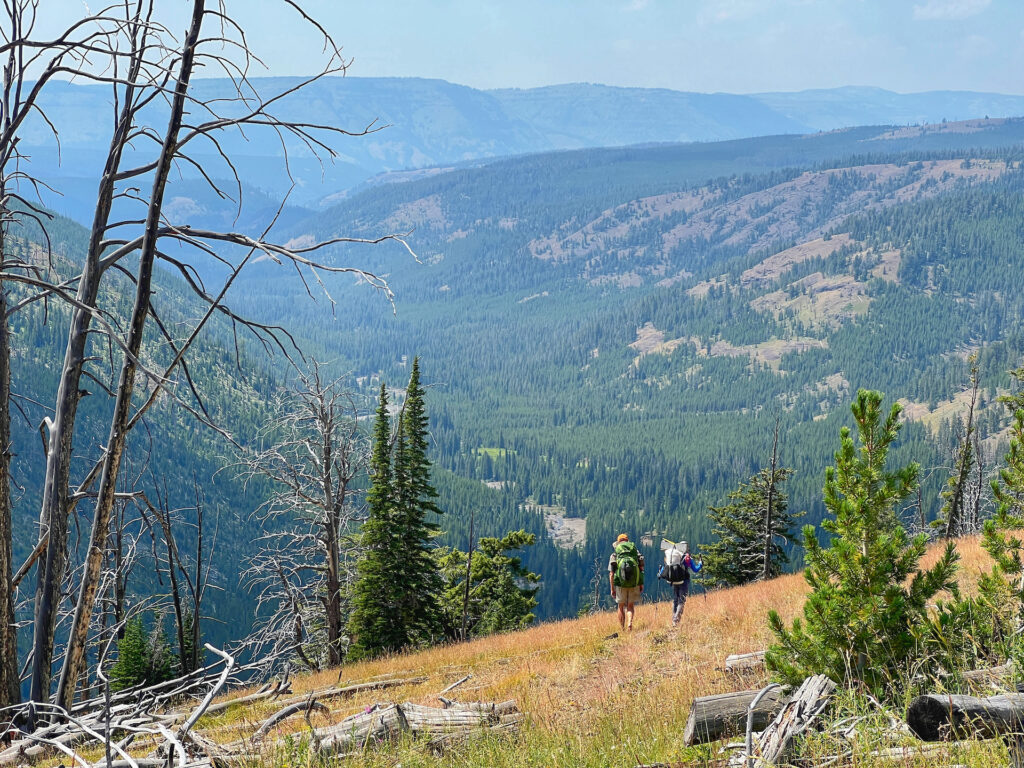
<point>626,579</point>
<point>676,571</point>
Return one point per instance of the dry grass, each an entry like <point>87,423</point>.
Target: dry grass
<point>592,699</point>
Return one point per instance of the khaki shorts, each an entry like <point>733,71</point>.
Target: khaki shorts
<point>627,595</point>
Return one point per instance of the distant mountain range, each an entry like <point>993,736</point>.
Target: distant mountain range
<point>425,123</point>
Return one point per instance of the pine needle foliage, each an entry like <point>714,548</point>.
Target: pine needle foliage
<point>373,625</point>
<point>1005,547</point>
<point>955,518</point>
<point>737,557</point>
<point>419,607</point>
<point>142,657</point>
<point>868,597</point>
<point>397,593</point>
<point>502,593</point>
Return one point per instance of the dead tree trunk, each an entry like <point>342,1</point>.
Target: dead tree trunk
<point>9,683</point>
<point>126,384</point>
<point>769,522</point>
<point>56,502</point>
<point>796,716</point>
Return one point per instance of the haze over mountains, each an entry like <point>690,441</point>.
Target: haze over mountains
<point>427,123</point>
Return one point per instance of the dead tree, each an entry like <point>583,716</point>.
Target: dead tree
<point>960,504</point>
<point>28,65</point>
<point>188,581</point>
<point>314,452</point>
<point>146,65</point>
<point>768,531</point>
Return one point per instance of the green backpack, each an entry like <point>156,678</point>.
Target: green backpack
<point>627,565</point>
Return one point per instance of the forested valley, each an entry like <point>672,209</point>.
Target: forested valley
<point>493,368</point>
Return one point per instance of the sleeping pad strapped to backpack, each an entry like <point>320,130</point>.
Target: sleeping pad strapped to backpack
<point>674,571</point>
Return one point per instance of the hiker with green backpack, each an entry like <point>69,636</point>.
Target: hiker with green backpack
<point>626,578</point>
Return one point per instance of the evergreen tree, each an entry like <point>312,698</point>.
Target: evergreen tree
<point>374,624</point>
<point>1008,487</point>
<point>738,557</point>
<point>397,594</point>
<point>131,666</point>
<point>1006,548</point>
<point>194,654</point>
<point>502,593</point>
<point>862,617</point>
<point>142,658</point>
<point>419,607</point>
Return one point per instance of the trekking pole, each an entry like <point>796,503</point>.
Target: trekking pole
<point>750,722</point>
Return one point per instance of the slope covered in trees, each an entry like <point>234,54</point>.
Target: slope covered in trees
<point>617,330</point>
<point>610,334</point>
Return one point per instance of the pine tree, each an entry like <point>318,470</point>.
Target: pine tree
<point>502,593</point>
<point>374,624</point>
<point>862,618</point>
<point>1006,548</point>
<point>738,557</point>
<point>131,666</point>
<point>420,606</point>
<point>142,658</point>
<point>1008,487</point>
<point>397,594</point>
<point>752,528</point>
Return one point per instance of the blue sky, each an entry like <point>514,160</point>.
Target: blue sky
<point>739,46</point>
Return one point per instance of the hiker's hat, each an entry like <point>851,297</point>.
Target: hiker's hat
<point>622,537</point>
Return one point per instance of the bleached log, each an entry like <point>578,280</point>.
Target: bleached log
<point>204,705</point>
<point>744,662</point>
<point>725,715</point>
<point>443,727</point>
<point>796,716</point>
<point>348,690</point>
<point>456,684</point>
<point>379,725</point>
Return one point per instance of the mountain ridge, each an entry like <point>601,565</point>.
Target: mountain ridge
<point>432,122</point>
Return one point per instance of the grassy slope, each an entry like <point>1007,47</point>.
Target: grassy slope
<point>592,700</point>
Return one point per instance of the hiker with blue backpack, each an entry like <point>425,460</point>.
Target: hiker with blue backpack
<point>626,579</point>
<point>676,571</point>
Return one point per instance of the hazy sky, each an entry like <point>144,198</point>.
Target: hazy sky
<point>738,46</point>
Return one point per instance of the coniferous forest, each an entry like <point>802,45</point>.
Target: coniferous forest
<point>421,409</point>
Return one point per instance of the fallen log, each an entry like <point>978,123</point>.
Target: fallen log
<point>796,716</point>
<point>442,727</point>
<point>724,715</point>
<point>744,662</point>
<point>291,709</point>
<point>349,690</point>
<point>455,685</point>
<point>937,717</point>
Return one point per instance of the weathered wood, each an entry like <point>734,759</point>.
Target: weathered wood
<point>935,717</point>
<point>744,662</point>
<point>443,727</point>
<point>281,714</point>
<point>725,715</point>
<point>456,684</point>
<point>796,716</point>
<point>348,690</point>
<point>990,674</point>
